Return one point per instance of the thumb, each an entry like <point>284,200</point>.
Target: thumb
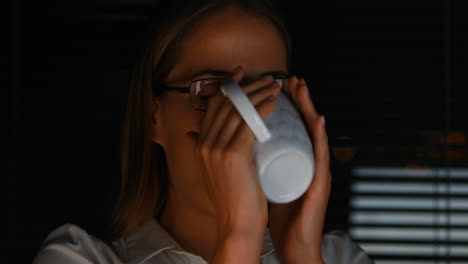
<point>238,74</point>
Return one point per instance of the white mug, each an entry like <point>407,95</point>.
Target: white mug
<point>283,150</point>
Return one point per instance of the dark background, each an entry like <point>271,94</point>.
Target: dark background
<point>390,76</point>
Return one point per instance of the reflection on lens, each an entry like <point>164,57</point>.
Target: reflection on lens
<point>202,90</point>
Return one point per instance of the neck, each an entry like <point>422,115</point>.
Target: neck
<point>193,228</point>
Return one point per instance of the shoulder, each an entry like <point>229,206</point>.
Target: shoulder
<point>338,247</point>
<point>71,244</point>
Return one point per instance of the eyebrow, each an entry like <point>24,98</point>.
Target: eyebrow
<point>219,73</point>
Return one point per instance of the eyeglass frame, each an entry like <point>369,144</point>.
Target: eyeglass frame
<point>157,85</point>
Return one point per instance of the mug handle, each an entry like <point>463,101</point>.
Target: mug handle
<point>239,99</point>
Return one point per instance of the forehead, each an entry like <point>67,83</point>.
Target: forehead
<point>227,38</point>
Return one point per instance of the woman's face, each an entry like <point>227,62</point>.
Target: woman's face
<point>216,44</point>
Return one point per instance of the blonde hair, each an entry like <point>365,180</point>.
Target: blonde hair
<point>144,182</point>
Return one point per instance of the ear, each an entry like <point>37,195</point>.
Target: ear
<point>156,121</point>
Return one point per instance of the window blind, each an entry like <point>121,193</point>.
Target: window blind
<point>415,214</point>
<point>388,76</point>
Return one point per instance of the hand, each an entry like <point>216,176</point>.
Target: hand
<point>296,228</point>
<point>225,149</point>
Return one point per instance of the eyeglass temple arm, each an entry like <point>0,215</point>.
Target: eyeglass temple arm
<point>178,89</point>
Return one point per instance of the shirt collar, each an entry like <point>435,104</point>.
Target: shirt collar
<point>150,239</point>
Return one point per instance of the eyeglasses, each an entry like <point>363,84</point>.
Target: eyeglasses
<point>202,90</point>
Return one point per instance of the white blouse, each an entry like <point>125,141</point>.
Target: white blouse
<point>150,243</point>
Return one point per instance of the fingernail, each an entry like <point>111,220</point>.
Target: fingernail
<point>266,77</point>
<point>323,120</point>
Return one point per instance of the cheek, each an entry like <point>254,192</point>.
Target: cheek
<point>182,121</point>
<point>181,143</point>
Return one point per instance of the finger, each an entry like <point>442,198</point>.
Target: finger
<point>235,119</point>
<point>322,177</point>
<point>238,74</point>
<point>218,126</point>
<point>305,103</point>
<point>222,125</point>
<point>244,135</point>
<point>292,88</point>
<point>261,94</point>
<point>263,101</point>
<point>258,84</point>
<point>214,104</point>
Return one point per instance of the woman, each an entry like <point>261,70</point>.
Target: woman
<point>190,192</point>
